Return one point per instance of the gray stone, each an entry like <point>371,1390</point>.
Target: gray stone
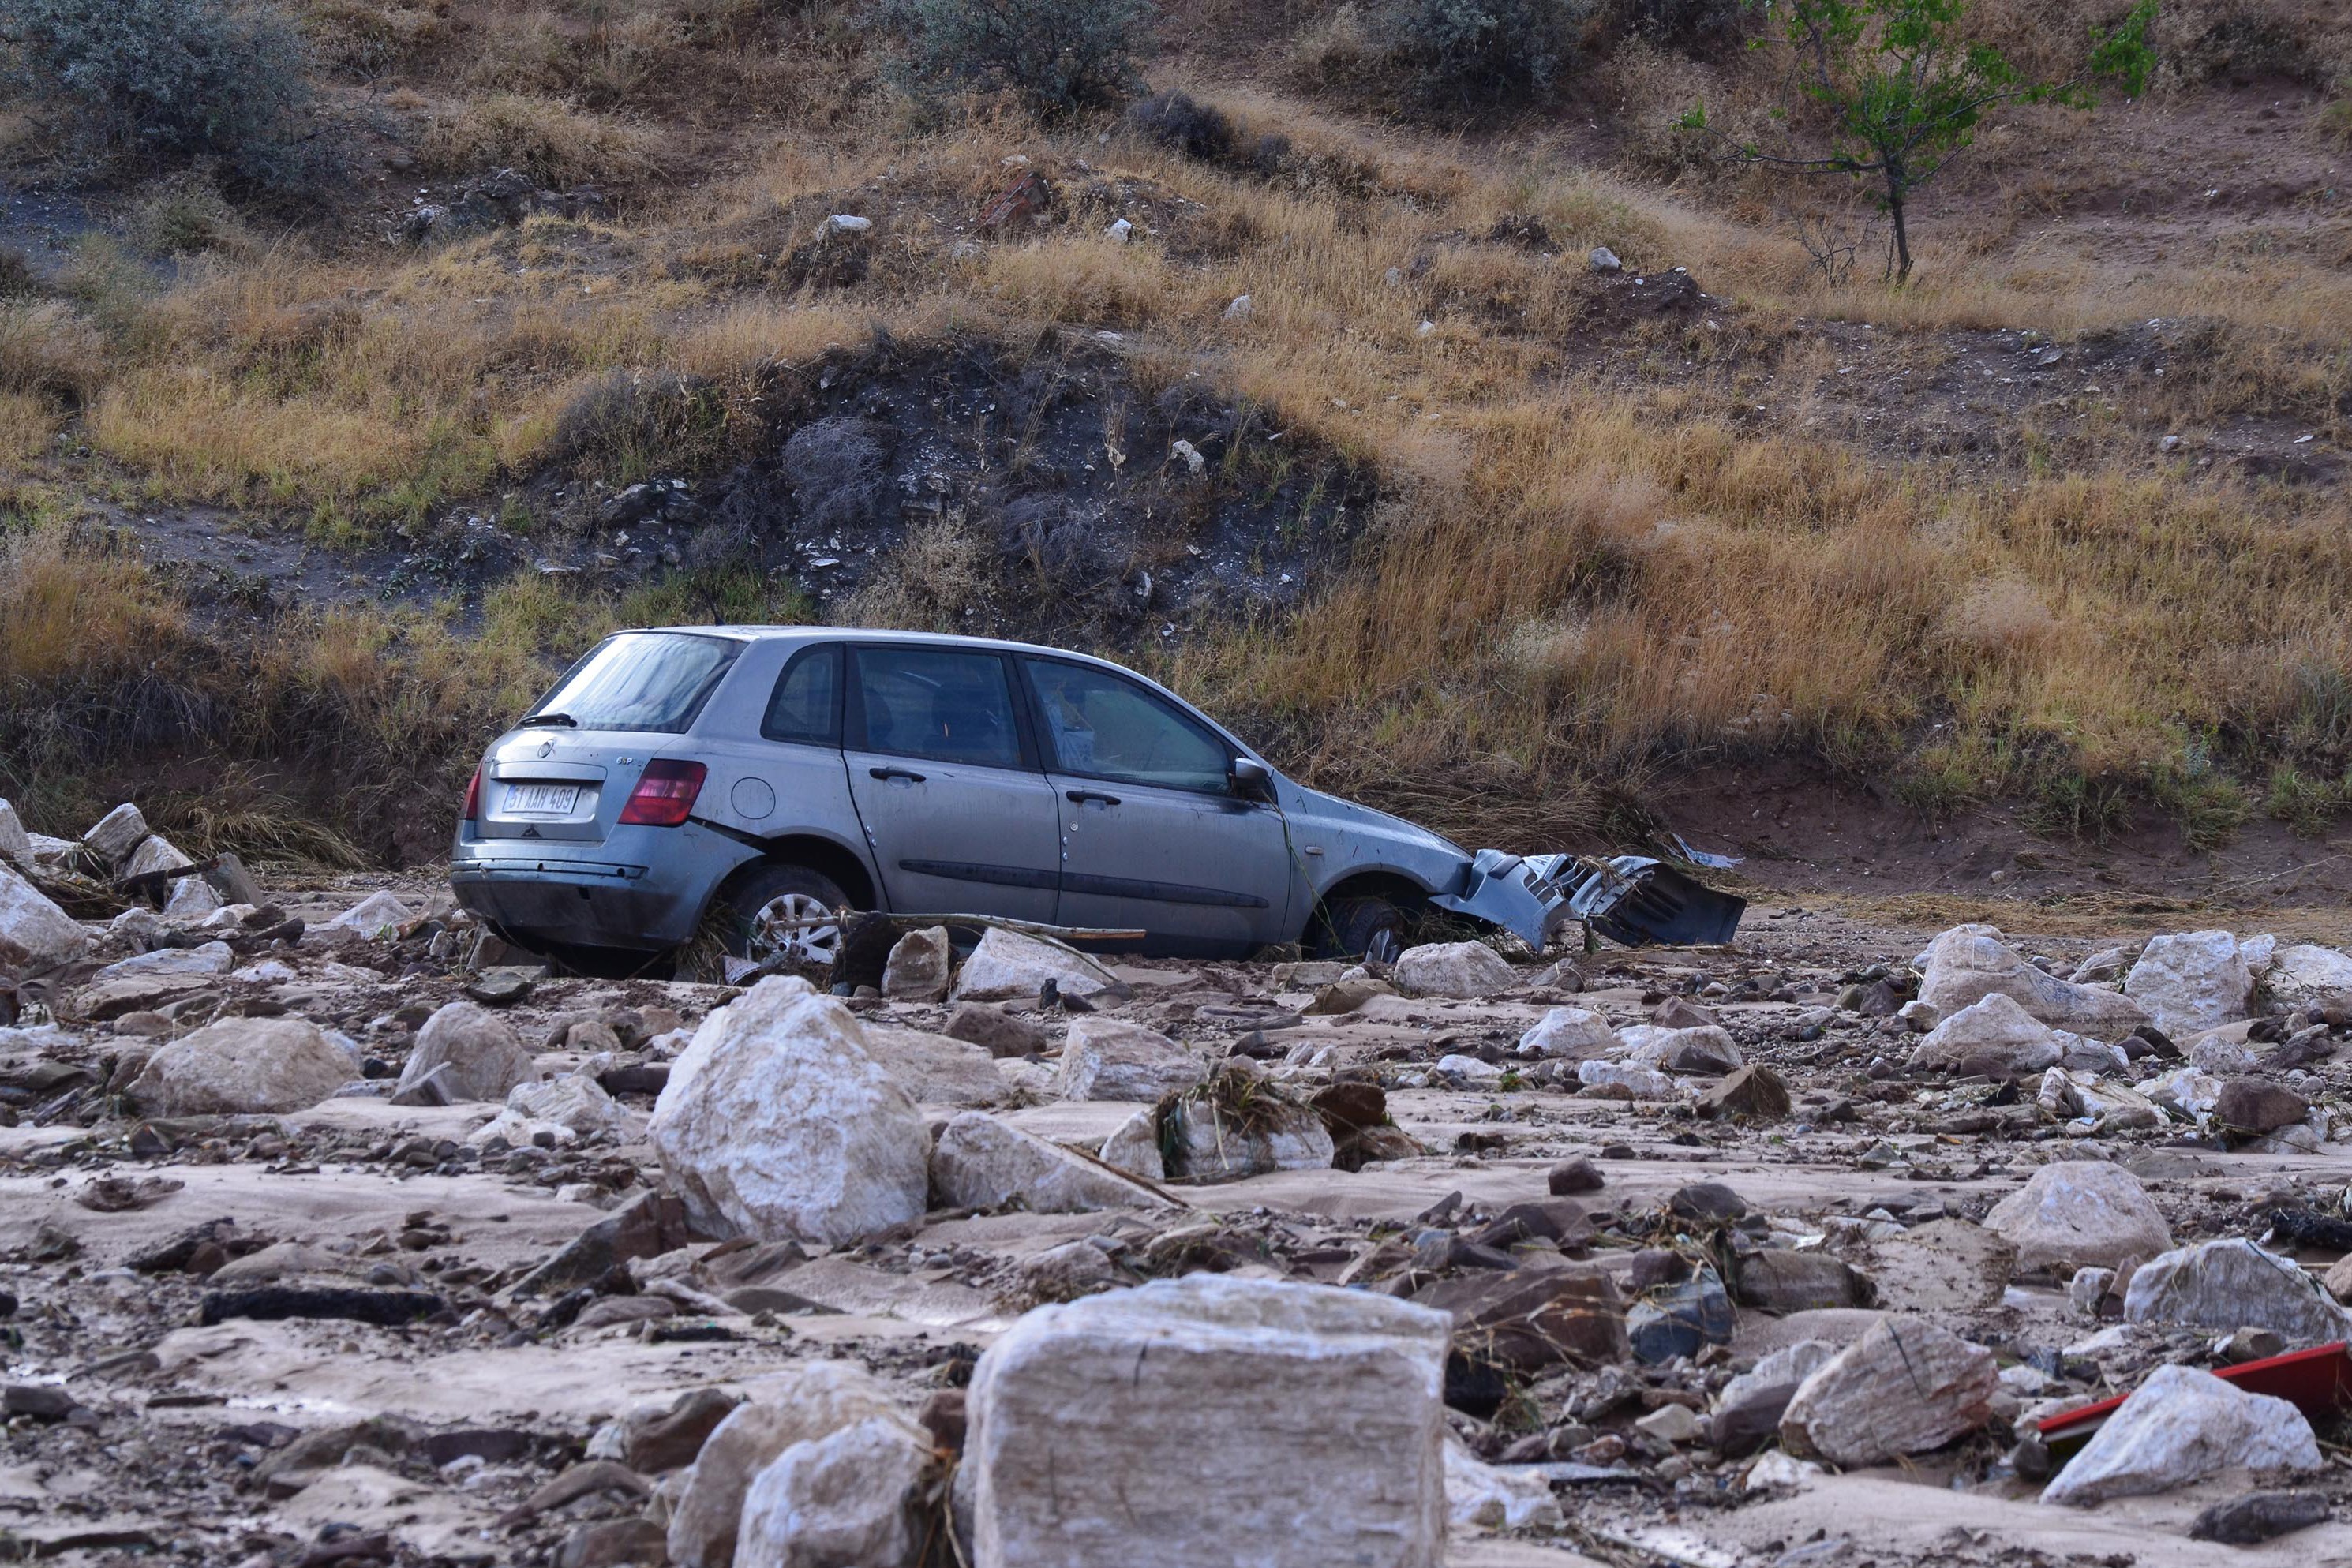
<point>1467,971</point>
<point>1112,1059</point>
<point>982,1163</point>
<point>810,1400</point>
<point>2080,1213</point>
<point>917,969</point>
<point>2258,1105</point>
<point>934,1069</point>
<point>1218,1134</point>
<point>2232,1284</point>
<point>113,836</point>
<point>2191,982</point>
<point>2176,1426</point>
<point>1747,1412</point>
<point>16,844</point>
<point>1905,1386</point>
<point>1135,1147</point>
<point>847,1498</point>
<point>1994,1036</point>
<point>1007,965</point>
<point>242,1066</point>
<point>1345,1386</point>
<point>994,1030</point>
<point>35,933</point>
<point>1572,1034</point>
<point>479,1047</point>
<point>1968,963</point>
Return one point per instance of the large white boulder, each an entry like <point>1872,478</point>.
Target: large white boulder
<point>1905,1386</point>
<point>2233,1284</point>
<point>1465,971</point>
<point>777,1123</point>
<point>2306,973</point>
<point>1006,965</point>
<point>1112,1059</point>
<point>2080,1214</point>
<point>1994,1036</point>
<point>479,1047</point>
<point>982,1163</point>
<point>847,1498</point>
<point>35,933</point>
<point>1969,963</point>
<point>1212,1422</point>
<point>155,852</point>
<point>242,1066</point>
<point>1706,1050</point>
<point>2191,982</point>
<point>804,1402</point>
<point>2178,1427</point>
<point>1573,1034</point>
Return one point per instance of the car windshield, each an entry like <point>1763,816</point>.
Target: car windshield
<point>640,680</point>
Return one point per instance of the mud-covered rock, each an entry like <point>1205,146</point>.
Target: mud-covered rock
<point>2079,1213</point>
<point>242,1066</point>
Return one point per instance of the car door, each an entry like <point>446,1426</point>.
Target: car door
<point>959,816</point>
<point>1153,835</point>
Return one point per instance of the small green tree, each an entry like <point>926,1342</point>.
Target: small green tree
<point>1906,89</point>
<point>1060,55</point>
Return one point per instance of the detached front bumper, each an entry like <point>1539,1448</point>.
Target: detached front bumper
<point>1629,899</point>
<point>642,888</point>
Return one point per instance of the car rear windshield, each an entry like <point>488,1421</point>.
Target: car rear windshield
<point>641,680</point>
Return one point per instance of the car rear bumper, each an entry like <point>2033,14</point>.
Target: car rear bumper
<point>642,888</point>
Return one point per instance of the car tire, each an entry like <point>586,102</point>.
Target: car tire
<point>761,906</point>
<point>1367,928</point>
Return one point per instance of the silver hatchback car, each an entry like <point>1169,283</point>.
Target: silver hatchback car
<point>775,776</point>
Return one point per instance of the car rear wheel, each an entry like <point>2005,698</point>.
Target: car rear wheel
<point>1369,929</point>
<point>787,912</point>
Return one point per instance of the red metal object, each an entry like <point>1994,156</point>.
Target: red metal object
<point>1029,197</point>
<point>2317,1382</point>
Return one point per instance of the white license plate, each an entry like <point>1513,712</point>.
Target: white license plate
<point>541,799</point>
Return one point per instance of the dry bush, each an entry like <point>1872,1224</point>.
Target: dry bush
<point>368,38</point>
<point>551,141</point>
<point>49,352</point>
<point>937,581</point>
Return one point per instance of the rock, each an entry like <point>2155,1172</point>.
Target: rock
<point>209,959</point>
<point>815,1399</point>
<point>2077,1213</point>
<point>917,969</point>
<point>1905,1386</point>
<point>2190,1091</point>
<point>1350,1107</point>
<point>485,1060</point>
<point>982,1163</point>
<point>1778,1280</point>
<point>1634,1083</point>
<point>1706,1050</point>
<point>242,1066</point>
<point>375,916</point>
<point>1135,1147</point>
<point>115,836</point>
<point>1680,1319</point>
<point>1571,1034</point>
<point>2259,1516</point>
<point>845,1498</point>
<point>2231,1284</point>
<point>1709,1203</point>
<point>1675,1423</point>
<point>1238,1126</point>
<point>1568,1176</point>
<point>1240,309</point>
<point>2088,1290</point>
<point>2255,1105</point>
<point>2191,982</point>
<point>1747,1412</point>
<point>503,987</point>
<point>16,844</point>
<point>1603,259</point>
<point>1346,996</point>
<point>192,898</point>
<point>612,1543</point>
<point>1921,1017</point>
<point>994,1030</point>
<point>35,933</point>
<point>1006,964</point>
<point>670,1440</point>
<point>1993,1038</point>
<point>2178,1425</point>
<point>573,1105</point>
<point>1067,1272</point>
<point>935,1070</point>
<point>2223,1051</point>
<point>1308,975</point>
<point>1344,1386</point>
<point>653,1225</point>
<point>775,1123</point>
<point>1944,1266</point>
<point>155,852</point>
<point>1526,1321</point>
<point>1755,1092</point>
<point>1467,971</point>
<point>1480,1496</point>
<point>1969,963</point>
<point>2303,974</point>
<point>1111,1059</point>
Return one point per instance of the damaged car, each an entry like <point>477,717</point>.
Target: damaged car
<point>768,780</point>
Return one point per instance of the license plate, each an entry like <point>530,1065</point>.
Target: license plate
<point>541,799</point>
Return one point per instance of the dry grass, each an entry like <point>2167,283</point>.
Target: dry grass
<point>1566,586</point>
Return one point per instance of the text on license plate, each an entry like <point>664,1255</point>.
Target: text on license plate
<point>541,799</point>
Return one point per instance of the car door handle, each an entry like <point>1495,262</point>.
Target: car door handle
<point>1080,797</point>
<point>908,774</point>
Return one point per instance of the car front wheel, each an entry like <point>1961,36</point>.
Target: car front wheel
<point>1369,929</point>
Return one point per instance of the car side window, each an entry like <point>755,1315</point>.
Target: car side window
<point>806,707</point>
<point>943,704</point>
<point>1105,727</point>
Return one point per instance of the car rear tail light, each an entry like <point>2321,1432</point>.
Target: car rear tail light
<point>665,793</point>
<point>473,798</point>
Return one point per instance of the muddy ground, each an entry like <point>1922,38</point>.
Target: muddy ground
<point>183,1438</point>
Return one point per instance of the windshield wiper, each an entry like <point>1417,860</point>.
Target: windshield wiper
<point>565,719</point>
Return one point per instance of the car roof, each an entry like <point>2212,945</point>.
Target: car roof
<point>873,634</point>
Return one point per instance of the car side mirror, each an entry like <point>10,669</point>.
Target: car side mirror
<point>1252,780</point>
